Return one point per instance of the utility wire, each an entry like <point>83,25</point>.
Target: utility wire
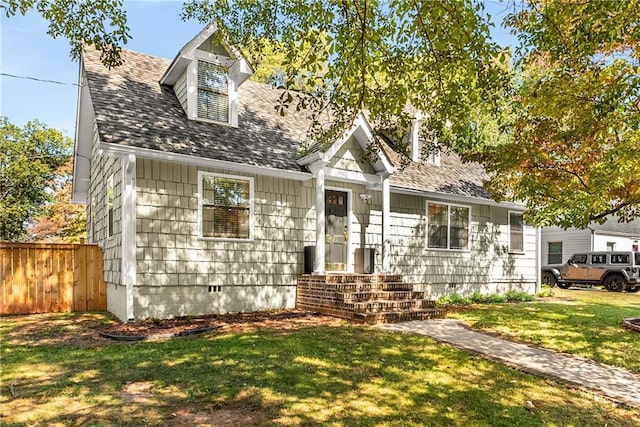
<point>38,80</point>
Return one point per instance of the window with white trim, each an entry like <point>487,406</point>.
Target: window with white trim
<point>213,92</point>
<point>225,206</point>
<point>554,255</point>
<point>516,232</point>
<point>448,226</point>
<point>110,199</point>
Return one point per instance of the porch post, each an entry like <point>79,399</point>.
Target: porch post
<point>386,223</point>
<point>319,261</point>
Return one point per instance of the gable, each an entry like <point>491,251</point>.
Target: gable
<point>351,157</point>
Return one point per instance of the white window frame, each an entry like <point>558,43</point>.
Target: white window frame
<point>110,202</point>
<point>516,250</point>
<point>192,87</point>
<point>554,253</point>
<point>449,206</point>
<point>201,175</point>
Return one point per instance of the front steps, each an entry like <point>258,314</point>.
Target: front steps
<point>366,298</point>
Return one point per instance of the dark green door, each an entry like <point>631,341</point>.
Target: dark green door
<point>336,230</point>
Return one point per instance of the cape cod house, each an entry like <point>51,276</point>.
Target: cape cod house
<point>201,203</point>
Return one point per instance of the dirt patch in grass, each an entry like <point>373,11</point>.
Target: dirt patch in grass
<point>219,323</point>
<point>83,330</point>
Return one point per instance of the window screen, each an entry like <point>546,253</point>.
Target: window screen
<point>555,253</point>
<point>226,207</point>
<point>516,232</point>
<point>447,226</point>
<point>213,92</point>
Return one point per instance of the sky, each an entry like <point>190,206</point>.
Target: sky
<point>28,52</point>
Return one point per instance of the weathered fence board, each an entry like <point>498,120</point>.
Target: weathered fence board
<point>42,278</point>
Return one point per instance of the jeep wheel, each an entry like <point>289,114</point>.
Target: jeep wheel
<point>549,280</point>
<point>614,283</point>
<point>634,288</point>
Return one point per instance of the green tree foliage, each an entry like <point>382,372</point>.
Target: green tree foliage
<point>29,159</point>
<point>574,152</point>
<point>389,58</point>
<point>61,220</point>
<point>101,23</point>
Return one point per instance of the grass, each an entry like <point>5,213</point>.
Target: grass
<point>342,375</point>
<point>584,322</point>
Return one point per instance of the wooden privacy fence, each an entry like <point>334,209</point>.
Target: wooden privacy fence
<point>50,277</point>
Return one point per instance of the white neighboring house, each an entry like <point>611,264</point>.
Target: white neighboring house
<point>558,244</point>
<point>199,194</point>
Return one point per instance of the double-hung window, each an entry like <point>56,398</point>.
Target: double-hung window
<point>213,92</point>
<point>448,226</point>
<point>554,255</point>
<point>516,232</point>
<point>225,206</point>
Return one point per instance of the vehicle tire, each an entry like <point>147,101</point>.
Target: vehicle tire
<point>549,279</point>
<point>615,283</point>
<point>634,288</point>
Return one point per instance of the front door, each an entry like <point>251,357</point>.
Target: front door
<point>336,230</point>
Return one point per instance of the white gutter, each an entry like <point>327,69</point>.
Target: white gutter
<point>146,153</point>
<point>457,198</point>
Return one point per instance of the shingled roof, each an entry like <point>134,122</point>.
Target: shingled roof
<point>133,109</point>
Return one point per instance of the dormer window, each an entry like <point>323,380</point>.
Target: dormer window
<point>213,92</point>
<point>205,77</point>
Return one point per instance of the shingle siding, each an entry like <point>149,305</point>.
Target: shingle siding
<point>175,268</point>
<point>180,89</point>
<point>102,168</point>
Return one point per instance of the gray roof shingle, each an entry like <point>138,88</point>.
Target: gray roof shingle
<point>133,109</point>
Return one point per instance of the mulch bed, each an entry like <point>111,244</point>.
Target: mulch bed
<point>236,322</point>
<point>633,324</point>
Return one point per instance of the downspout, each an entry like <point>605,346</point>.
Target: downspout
<point>538,260</point>
<point>128,232</point>
<point>592,243</point>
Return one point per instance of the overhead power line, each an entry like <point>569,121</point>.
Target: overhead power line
<point>38,80</point>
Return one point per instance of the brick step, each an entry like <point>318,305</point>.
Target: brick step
<point>400,316</point>
<point>362,278</point>
<point>378,295</point>
<point>365,287</point>
<point>388,306</point>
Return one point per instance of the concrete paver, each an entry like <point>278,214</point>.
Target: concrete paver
<point>617,384</point>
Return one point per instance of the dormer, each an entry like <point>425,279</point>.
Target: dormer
<point>416,143</point>
<point>205,76</point>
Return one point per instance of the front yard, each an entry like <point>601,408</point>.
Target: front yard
<point>56,370</point>
<point>584,322</point>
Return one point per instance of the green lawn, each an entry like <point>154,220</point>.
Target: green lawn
<point>342,375</point>
<point>585,322</point>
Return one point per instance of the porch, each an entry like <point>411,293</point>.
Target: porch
<point>366,298</point>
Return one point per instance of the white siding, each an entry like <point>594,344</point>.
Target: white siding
<point>573,241</point>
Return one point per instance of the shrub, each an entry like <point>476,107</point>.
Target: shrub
<point>546,291</point>
<point>518,296</point>
<point>453,299</point>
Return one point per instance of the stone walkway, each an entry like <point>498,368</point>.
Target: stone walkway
<point>617,384</point>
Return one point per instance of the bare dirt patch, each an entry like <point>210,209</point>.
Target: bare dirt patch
<point>89,329</point>
<point>219,323</point>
